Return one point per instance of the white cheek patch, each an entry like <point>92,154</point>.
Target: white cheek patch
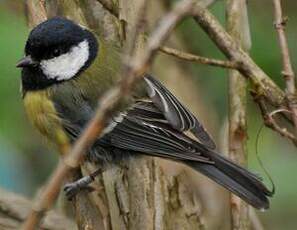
<point>66,65</point>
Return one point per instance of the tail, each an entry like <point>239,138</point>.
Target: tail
<point>236,179</point>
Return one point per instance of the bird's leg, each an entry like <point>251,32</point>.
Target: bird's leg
<point>72,189</point>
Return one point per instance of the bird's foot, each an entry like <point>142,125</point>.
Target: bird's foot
<point>72,189</point>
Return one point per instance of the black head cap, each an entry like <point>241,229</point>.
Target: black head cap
<point>56,33</point>
<point>51,39</point>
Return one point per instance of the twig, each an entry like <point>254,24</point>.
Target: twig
<point>109,6</point>
<point>131,72</point>
<point>287,72</point>
<point>238,27</point>
<point>270,122</point>
<point>14,208</point>
<point>262,84</point>
<point>234,52</point>
<point>199,59</point>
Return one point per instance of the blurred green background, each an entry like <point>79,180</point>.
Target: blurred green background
<point>26,161</point>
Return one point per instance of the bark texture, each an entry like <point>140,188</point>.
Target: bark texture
<point>238,28</point>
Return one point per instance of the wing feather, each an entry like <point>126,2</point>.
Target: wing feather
<point>139,131</point>
<point>177,114</point>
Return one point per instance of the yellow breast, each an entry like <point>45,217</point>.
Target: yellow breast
<point>42,113</point>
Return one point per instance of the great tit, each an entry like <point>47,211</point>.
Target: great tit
<point>66,69</point>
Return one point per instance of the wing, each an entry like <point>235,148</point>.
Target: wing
<point>177,114</point>
<point>145,129</point>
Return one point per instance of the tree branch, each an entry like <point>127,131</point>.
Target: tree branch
<point>14,209</point>
<point>198,59</point>
<point>238,28</point>
<point>234,52</point>
<point>287,72</point>
<point>263,86</point>
<point>131,72</point>
<point>270,122</point>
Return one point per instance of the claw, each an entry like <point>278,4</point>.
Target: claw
<point>71,190</point>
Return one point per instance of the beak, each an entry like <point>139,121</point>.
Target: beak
<point>26,62</point>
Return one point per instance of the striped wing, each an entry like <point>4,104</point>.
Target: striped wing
<point>145,129</point>
<point>178,115</point>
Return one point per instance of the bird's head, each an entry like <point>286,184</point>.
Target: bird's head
<point>56,50</point>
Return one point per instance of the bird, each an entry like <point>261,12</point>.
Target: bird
<point>67,67</point>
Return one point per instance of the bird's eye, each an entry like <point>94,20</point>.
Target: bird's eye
<point>56,52</point>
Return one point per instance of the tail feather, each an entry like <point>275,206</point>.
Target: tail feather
<point>234,178</point>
